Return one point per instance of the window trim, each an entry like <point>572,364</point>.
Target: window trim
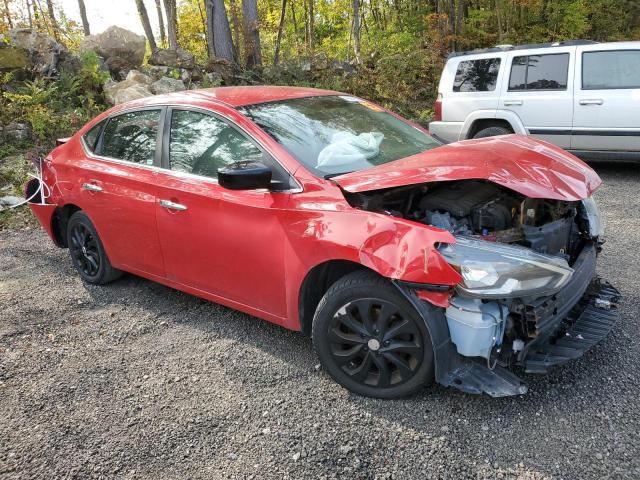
<point>101,124</point>
<point>495,88</point>
<point>166,133</point>
<point>582,87</point>
<point>526,74</point>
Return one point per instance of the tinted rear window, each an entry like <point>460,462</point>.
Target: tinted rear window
<point>91,137</point>
<point>539,72</point>
<point>132,136</point>
<point>611,70</point>
<point>477,75</point>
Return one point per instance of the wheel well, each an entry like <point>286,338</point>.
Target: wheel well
<point>486,123</point>
<point>59,223</point>
<point>318,280</point>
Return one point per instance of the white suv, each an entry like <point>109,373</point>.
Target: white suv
<point>580,95</point>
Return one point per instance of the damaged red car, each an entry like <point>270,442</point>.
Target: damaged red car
<point>406,260</point>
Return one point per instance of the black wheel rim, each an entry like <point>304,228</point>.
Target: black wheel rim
<point>375,343</point>
<point>84,250</point>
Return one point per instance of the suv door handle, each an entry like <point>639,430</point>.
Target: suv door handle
<point>169,205</point>
<point>593,101</point>
<point>512,102</point>
<point>92,187</point>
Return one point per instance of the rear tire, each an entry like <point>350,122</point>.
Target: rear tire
<point>87,252</point>
<point>493,131</point>
<point>370,339</point>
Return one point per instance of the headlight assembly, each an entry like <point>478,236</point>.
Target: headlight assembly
<point>497,270</point>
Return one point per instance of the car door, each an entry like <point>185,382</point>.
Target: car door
<point>540,91</point>
<point>227,243</point>
<point>607,100</point>
<point>116,184</point>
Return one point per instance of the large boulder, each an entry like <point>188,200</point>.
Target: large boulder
<point>46,56</point>
<point>12,58</point>
<point>167,85</point>
<point>178,58</point>
<point>121,48</point>
<point>136,85</point>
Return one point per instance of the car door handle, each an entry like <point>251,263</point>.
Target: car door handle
<point>169,205</point>
<point>512,102</point>
<point>593,101</point>
<point>92,187</point>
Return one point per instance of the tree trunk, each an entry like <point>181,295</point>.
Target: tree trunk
<point>283,13</point>
<point>163,35</point>
<point>253,53</point>
<point>146,25</point>
<point>356,29</point>
<point>310,25</point>
<point>83,17</point>
<point>219,34</point>
<point>52,17</point>
<point>235,20</point>
<point>6,11</point>
<point>29,14</point>
<point>172,23</point>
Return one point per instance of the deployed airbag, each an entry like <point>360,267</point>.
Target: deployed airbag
<point>346,148</point>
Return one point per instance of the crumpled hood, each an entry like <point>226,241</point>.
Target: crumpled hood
<point>523,164</point>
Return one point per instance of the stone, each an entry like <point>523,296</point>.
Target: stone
<point>116,42</point>
<point>167,85</point>
<point>223,68</point>
<point>46,56</point>
<point>17,131</point>
<point>178,58</point>
<point>10,201</point>
<point>139,77</point>
<point>125,91</point>
<point>156,72</point>
<point>12,58</point>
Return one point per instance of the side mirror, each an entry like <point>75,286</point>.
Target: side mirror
<point>249,175</point>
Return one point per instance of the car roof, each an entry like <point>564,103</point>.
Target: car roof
<point>531,46</point>
<point>233,96</point>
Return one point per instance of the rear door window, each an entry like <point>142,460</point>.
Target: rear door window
<point>131,137</point>
<point>614,69</point>
<point>91,137</point>
<point>477,75</point>
<point>539,72</point>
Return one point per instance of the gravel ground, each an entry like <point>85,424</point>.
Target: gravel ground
<point>135,380</point>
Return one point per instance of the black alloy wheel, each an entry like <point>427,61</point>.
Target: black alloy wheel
<point>374,344</point>
<point>84,250</point>
<point>371,339</point>
<point>87,252</point>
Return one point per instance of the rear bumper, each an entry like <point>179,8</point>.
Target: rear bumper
<point>446,131</point>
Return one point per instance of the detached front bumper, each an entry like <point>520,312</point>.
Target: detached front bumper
<point>563,327</point>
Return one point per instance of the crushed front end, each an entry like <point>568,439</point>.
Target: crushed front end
<point>529,298</point>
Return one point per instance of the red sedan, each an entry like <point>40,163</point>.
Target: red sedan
<point>407,261</point>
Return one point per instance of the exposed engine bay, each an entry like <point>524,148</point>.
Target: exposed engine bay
<point>515,254</point>
<point>486,211</point>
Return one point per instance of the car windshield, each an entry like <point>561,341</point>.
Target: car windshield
<point>331,135</point>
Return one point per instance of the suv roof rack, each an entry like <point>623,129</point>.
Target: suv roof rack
<point>506,48</point>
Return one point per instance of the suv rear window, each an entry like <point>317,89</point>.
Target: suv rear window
<point>539,72</point>
<point>611,70</point>
<point>477,75</point>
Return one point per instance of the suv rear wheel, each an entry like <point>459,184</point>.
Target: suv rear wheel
<point>492,131</point>
<point>370,339</point>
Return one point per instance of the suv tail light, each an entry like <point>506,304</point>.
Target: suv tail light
<point>438,109</point>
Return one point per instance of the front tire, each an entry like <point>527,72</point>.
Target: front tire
<point>371,340</point>
<point>87,252</point>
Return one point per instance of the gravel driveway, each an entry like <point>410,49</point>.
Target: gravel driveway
<point>135,380</point>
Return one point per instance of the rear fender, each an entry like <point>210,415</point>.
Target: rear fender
<point>507,116</point>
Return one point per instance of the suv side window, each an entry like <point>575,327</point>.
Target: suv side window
<point>200,144</point>
<point>477,75</point>
<point>613,69</point>
<point>131,136</point>
<point>539,72</point>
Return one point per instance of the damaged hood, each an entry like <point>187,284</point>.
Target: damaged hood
<point>523,164</point>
